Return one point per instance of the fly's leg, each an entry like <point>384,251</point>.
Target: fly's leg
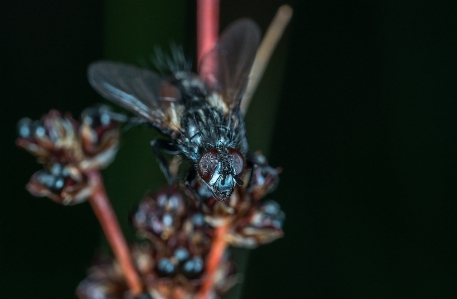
<point>190,177</point>
<point>170,148</point>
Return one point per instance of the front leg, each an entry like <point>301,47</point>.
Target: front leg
<point>170,148</point>
<point>191,176</point>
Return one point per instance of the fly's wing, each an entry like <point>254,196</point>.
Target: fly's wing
<point>138,90</point>
<point>225,69</point>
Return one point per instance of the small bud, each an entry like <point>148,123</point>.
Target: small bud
<point>24,128</point>
<point>160,215</point>
<point>264,179</point>
<point>181,254</point>
<point>193,267</point>
<point>166,267</point>
<point>263,225</point>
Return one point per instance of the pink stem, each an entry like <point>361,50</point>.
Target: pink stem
<point>207,26</point>
<point>108,221</point>
<point>214,259</point>
<point>207,35</point>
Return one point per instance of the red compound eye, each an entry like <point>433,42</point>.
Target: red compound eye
<point>207,164</point>
<point>238,160</point>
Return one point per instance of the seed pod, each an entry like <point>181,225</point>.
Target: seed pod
<point>160,215</point>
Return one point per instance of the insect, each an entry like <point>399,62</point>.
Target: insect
<point>200,115</point>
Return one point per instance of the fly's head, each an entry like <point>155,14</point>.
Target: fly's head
<point>220,168</point>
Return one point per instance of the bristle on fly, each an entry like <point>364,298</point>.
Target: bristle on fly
<point>170,63</point>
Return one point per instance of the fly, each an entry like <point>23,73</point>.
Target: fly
<point>200,114</point>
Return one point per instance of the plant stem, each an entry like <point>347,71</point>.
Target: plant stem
<point>266,49</point>
<point>214,258</point>
<point>110,225</point>
<point>207,26</point>
<point>207,35</point>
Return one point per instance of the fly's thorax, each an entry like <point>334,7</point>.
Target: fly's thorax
<point>191,86</point>
<point>220,169</point>
<point>216,100</point>
<point>204,127</point>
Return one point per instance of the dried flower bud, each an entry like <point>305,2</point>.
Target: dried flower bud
<point>67,149</point>
<point>160,215</point>
<point>262,226</point>
<point>264,178</point>
<point>99,136</point>
<point>67,186</point>
<point>170,221</point>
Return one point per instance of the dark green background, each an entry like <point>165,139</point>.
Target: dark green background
<point>365,130</point>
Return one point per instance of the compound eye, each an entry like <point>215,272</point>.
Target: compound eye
<point>238,160</point>
<point>208,164</point>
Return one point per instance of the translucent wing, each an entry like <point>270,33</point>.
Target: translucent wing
<point>226,67</point>
<point>139,90</point>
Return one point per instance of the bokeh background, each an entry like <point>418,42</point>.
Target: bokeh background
<point>358,106</point>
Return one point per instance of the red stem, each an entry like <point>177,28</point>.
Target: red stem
<point>108,221</point>
<point>207,35</point>
<point>207,26</point>
<point>214,259</point>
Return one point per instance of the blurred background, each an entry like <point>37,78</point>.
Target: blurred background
<point>358,106</point>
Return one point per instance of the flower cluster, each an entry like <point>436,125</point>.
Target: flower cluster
<point>68,149</point>
<point>182,252</point>
<point>106,280</point>
<point>179,234</point>
<point>172,259</point>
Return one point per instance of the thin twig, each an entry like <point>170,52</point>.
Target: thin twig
<point>207,26</point>
<point>108,221</point>
<point>269,42</point>
<point>214,258</point>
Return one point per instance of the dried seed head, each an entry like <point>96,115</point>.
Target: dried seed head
<point>68,187</point>
<point>164,277</point>
<point>160,215</point>
<point>67,149</point>
<point>264,178</point>
<point>173,224</point>
<point>262,226</point>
